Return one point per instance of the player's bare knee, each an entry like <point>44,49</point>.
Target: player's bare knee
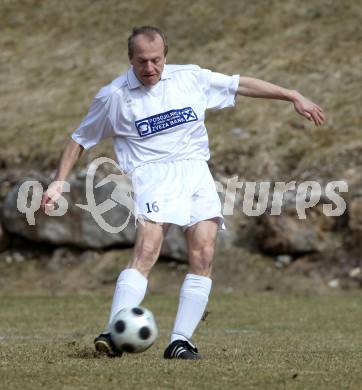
<point>201,260</point>
<point>148,251</point>
<point>145,257</point>
<point>203,254</point>
<point>208,252</point>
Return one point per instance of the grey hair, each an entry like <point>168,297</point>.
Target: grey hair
<point>150,32</point>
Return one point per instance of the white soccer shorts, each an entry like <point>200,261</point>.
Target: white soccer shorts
<point>180,192</point>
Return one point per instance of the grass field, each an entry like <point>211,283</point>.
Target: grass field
<point>261,341</point>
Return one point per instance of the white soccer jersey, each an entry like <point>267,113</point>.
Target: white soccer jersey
<point>161,123</point>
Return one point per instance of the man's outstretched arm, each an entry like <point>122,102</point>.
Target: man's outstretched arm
<point>251,87</point>
<point>70,155</point>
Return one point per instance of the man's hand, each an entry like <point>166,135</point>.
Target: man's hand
<point>51,195</point>
<point>251,87</point>
<point>308,109</point>
<point>70,155</point>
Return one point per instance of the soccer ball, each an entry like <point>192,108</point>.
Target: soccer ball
<point>133,329</point>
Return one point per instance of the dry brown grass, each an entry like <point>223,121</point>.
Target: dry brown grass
<point>263,341</point>
<point>56,55</point>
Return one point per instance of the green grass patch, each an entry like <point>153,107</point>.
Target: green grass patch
<point>261,341</point>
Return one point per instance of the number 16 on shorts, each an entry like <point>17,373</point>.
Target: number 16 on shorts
<point>152,207</point>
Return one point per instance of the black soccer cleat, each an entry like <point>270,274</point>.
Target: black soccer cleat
<point>181,349</point>
<point>104,345</point>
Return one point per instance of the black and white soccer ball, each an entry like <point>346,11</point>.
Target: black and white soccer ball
<point>133,329</point>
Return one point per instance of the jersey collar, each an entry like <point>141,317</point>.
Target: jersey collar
<point>133,81</point>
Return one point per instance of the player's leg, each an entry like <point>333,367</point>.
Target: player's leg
<point>149,239</point>
<point>195,289</point>
<point>201,239</point>
<point>132,282</point>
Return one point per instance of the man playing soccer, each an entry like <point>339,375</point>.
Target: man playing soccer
<point>155,114</point>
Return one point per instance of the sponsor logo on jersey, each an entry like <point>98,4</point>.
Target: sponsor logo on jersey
<point>165,120</point>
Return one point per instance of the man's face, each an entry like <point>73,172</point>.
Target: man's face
<point>148,59</point>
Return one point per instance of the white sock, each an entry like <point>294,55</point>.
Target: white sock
<point>130,290</point>
<point>194,295</point>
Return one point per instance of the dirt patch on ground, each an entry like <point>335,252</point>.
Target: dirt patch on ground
<point>67,270</point>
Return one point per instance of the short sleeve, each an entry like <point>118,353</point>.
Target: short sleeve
<point>220,89</point>
<point>95,126</point>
